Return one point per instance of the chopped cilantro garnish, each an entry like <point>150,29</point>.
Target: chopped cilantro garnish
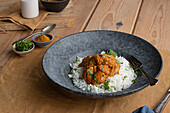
<point>106,85</point>
<point>102,75</point>
<point>85,66</point>
<point>75,69</point>
<point>74,61</point>
<point>95,55</point>
<point>117,61</point>
<point>95,79</point>
<point>89,63</point>
<point>130,66</point>
<point>95,76</point>
<point>102,68</point>
<point>105,61</point>
<point>137,72</point>
<point>124,77</point>
<point>111,52</point>
<point>23,45</point>
<point>70,72</point>
<point>134,81</point>
<point>116,72</point>
<point>98,86</point>
<point>91,74</point>
<point>113,87</point>
<point>103,56</point>
<point>86,73</point>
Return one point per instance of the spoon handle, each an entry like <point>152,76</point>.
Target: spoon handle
<point>159,107</point>
<point>26,37</point>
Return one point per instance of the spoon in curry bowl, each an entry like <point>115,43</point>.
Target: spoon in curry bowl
<point>47,29</point>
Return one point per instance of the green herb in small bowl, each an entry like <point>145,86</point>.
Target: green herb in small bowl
<point>23,47</point>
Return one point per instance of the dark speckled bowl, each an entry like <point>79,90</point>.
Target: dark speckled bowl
<point>57,58</point>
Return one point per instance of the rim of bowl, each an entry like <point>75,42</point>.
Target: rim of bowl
<point>13,47</point>
<point>40,34</point>
<point>60,1</point>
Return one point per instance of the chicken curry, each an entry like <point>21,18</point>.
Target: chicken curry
<point>98,68</point>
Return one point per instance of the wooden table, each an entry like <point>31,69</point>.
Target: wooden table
<point>24,89</point>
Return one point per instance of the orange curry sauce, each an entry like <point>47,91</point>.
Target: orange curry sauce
<point>98,68</point>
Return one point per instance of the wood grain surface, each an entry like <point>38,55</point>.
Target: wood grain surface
<point>82,15</point>
<point>80,22</point>
<point>61,19</point>
<point>153,23</point>
<point>6,41</point>
<point>14,100</point>
<point>119,15</point>
<point>23,87</point>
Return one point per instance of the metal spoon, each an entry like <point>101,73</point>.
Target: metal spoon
<point>47,29</point>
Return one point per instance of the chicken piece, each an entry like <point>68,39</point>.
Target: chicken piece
<point>90,63</point>
<point>99,78</point>
<point>88,74</point>
<point>104,68</point>
<point>98,58</point>
<point>98,67</point>
<point>115,70</point>
<point>104,59</point>
<point>85,61</point>
<point>109,60</point>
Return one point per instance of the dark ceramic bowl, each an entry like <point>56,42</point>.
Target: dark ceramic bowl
<point>55,6</point>
<point>57,58</point>
<point>42,44</point>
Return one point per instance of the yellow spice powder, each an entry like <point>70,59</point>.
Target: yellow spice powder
<point>42,38</point>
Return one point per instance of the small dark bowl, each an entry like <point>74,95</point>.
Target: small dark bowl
<point>42,44</point>
<point>55,6</point>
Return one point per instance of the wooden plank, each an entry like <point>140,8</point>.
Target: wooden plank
<point>5,44</point>
<point>82,15</point>
<point>30,93</point>
<point>80,22</point>
<point>153,23</point>
<point>119,15</point>
<point>61,19</point>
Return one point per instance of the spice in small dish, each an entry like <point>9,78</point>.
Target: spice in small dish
<point>42,38</point>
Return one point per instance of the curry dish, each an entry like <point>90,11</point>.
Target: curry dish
<point>98,68</point>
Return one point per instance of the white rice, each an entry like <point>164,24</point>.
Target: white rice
<point>119,82</point>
